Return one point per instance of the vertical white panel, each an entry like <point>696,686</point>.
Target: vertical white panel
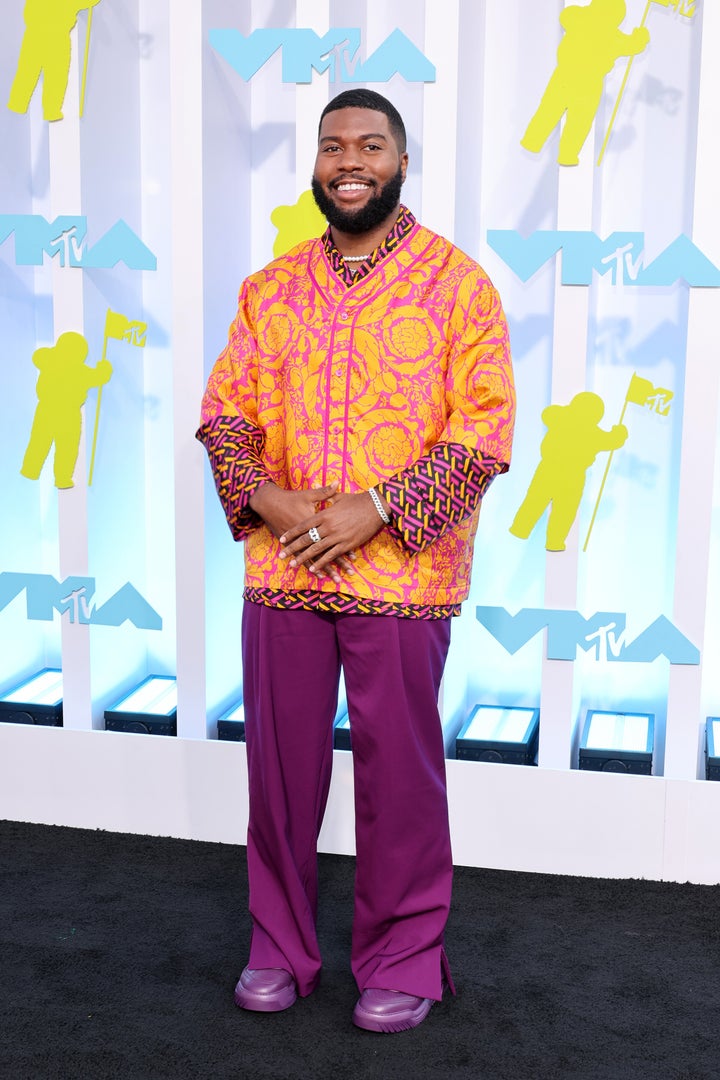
<point>187,348</point>
<point>474,84</point>
<point>514,190</point>
<point>267,92</point>
<point>43,555</point>
<point>65,198</point>
<point>570,321</point>
<point>440,107</point>
<point>156,180</point>
<point>408,97</point>
<point>697,463</point>
<point>310,98</point>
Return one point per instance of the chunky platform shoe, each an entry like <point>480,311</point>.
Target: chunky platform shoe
<point>265,990</point>
<point>390,1010</point>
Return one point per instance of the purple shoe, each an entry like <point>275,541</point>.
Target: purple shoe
<point>265,990</point>
<point>390,1010</point>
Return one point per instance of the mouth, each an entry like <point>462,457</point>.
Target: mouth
<point>351,189</point>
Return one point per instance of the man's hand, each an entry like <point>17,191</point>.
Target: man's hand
<point>347,523</point>
<point>284,511</point>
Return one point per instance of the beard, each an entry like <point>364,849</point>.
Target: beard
<point>378,207</point>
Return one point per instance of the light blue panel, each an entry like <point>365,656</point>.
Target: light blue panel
<point>120,544</point>
<point>629,564</point>
<point>228,150</point>
<point>28,538</point>
<point>506,571</point>
<point>509,572</point>
<point>711,670</point>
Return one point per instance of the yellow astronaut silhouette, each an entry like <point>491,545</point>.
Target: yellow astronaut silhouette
<point>568,450</point>
<point>301,221</point>
<point>591,45</point>
<point>45,50</point>
<point>62,388</point>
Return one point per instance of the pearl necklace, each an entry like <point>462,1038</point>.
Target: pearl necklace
<point>356,258</point>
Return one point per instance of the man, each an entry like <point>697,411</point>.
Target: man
<point>360,410</point>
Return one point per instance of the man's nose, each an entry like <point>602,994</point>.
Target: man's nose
<point>350,160</point>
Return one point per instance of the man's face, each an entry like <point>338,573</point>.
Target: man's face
<point>359,170</point>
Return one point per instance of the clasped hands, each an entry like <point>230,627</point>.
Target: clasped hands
<point>324,539</point>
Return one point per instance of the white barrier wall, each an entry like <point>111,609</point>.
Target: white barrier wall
<point>132,225</point>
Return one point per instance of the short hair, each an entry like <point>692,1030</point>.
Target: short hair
<point>369,99</point>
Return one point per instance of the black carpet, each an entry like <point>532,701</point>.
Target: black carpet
<point>118,957</point>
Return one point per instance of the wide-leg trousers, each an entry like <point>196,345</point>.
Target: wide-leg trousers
<point>392,668</point>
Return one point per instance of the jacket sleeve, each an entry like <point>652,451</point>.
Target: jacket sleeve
<point>229,430</point>
<point>447,483</point>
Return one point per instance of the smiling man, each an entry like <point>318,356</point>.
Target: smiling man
<point>359,174</point>
<point>356,418</point>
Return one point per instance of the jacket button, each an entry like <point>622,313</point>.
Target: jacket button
<point>344,316</point>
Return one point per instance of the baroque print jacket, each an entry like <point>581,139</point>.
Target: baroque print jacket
<point>398,377</point>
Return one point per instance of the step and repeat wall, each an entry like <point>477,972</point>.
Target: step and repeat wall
<point>154,153</point>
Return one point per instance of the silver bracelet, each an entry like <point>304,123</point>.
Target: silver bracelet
<point>378,505</point>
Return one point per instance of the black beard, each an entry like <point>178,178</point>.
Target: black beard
<point>378,207</point>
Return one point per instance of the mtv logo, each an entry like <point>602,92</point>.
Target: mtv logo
<point>65,239</point>
<point>604,633</point>
<point>620,255</point>
<point>304,51</point>
<point>136,334</point>
<point>45,596</point>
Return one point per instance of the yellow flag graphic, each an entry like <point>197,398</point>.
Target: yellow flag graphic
<point>120,328</point>
<point>643,392</point>
<point>687,8</point>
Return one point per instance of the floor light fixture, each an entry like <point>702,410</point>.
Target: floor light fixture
<point>149,709</point>
<point>37,700</point>
<point>493,733</point>
<point>617,742</point>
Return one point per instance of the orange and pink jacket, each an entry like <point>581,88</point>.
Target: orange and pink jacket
<point>401,381</point>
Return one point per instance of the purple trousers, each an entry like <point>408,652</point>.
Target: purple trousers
<point>392,668</point>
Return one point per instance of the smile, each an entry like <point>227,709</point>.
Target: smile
<point>351,186</point>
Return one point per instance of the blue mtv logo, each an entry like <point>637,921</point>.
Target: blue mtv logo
<point>620,256</point>
<point>45,595</point>
<point>65,239</point>
<point>304,51</point>
<point>604,634</point>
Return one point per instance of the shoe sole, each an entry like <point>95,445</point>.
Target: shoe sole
<point>276,1003</point>
<point>369,1022</point>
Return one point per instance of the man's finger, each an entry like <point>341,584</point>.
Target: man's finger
<point>322,493</point>
<point>296,539</point>
<point>323,561</point>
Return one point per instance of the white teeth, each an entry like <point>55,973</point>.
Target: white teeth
<point>351,187</point>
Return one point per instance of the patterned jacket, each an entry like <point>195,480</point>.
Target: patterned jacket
<point>401,380</point>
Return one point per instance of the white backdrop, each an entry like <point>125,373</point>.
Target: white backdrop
<point>194,158</point>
